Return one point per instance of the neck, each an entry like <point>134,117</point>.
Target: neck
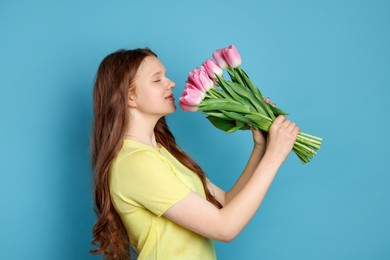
<point>142,130</point>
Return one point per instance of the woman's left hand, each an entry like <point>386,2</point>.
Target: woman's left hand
<point>259,138</point>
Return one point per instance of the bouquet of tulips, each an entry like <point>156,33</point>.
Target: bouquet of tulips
<point>232,105</point>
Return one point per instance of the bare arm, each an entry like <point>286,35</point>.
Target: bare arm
<point>200,216</point>
<point>254,160</point>
<point>260,143</point>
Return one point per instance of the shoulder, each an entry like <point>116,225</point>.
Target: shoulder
<point>134,153</point>
<point>135,161</point>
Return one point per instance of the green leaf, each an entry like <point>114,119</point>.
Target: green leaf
<point>231,75</point>
<point>214,92</point>
<point>277,111</point>
<point>239,125</point>
<point>256,92</point>
<point>249,83</point>
<point>223,104</point>
<point>259,121</point>
<point>235,76</point>
<point>222,124</point>
<point>238,117</point>
<point>218,114</point>
<point>225,86</point>
<point>248,95</point>
<point>219,93</point>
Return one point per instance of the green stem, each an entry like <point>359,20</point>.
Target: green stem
<point>310,142</point>
<point>311,136</point>
<point>300,156</point>
<point>237,76</point>
<point>303,152</point>
<point>308,139</point>
<point>306,148</point>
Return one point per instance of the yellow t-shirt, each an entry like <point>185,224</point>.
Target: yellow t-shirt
<point>144,183</point>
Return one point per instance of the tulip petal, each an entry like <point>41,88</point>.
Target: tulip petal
<point>220,59</point>
<point>212,69</point>
<point>188,108</point>
<point>200,79</point>
<point>232,56</point>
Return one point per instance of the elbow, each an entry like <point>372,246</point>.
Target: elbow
<point>226,229</point>
<point>226,235</point>
<point>227,239</point>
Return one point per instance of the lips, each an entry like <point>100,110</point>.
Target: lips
<point>170,97</point>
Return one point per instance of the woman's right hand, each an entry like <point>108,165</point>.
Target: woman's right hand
<point>281,137</point>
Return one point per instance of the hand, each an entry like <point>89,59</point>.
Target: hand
<point>282,136</point>
<point>259,138</point>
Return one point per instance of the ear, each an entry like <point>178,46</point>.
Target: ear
<point>131,99</point>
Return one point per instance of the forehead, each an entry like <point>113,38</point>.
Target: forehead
<point>150,66</point>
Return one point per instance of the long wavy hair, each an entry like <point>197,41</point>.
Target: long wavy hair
<point>115,78</point>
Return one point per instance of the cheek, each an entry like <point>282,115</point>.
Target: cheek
<point>150,101</point>
<point>146,94</point>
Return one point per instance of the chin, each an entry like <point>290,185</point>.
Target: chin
<point>173,110</point>
<point>170,111</point>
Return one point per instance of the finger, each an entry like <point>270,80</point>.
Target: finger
<point>280,119</point>
<point>286,123</point>
<point>291,127</point>
<point>295,131</point>
<point>256,132</point>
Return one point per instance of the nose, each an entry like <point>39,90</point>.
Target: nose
<point>171,84</point>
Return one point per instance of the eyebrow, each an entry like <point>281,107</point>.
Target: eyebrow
<point>158,73</point>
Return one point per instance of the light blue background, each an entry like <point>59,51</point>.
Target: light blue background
<point>325,62</point>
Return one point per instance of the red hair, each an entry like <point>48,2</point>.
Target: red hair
<point>115,77</point>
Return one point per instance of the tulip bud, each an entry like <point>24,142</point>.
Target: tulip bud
<point>212,69</point>
<point>200,79</point>
<point>220,59</point>
<point>191,95</point>
<point>232,56</point>
<point>188,108</point>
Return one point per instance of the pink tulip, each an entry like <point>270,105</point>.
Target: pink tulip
<point>192,96</point>
<point>200,79</point>
<point>188,108</point>
<point>220,59</point>
<point>212,69</point>
<point>232,56</point>
<point>189,85</point>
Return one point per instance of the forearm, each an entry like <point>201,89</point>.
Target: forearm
<point>243,206</point>
<point>240,209</point>
<point>254,160</point>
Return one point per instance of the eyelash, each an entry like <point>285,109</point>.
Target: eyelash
<point>157,80</point>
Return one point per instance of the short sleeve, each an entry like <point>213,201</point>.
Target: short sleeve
<point>146,178</point>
